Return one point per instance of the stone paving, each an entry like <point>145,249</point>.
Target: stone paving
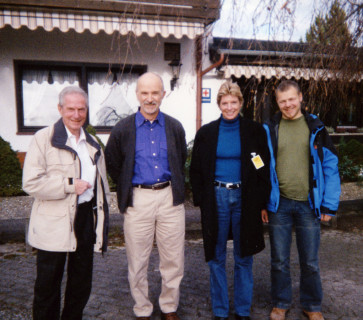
<point>341,264</point>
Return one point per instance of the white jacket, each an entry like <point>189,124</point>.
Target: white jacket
<point>50,167</point>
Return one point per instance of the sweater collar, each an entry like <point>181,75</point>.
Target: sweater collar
<point>233,122</point>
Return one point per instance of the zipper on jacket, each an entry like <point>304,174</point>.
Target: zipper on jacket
<point>312,175</point>
<point>80,175</point>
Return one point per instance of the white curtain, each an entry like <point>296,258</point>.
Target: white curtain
<point>40,97</point>
<point>111,101</point>
<point>51,76</point>
<point>111,95</point>
<point>100,77</point>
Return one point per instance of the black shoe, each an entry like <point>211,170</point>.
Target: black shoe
<point>220,318</point>
<point>237,317</point>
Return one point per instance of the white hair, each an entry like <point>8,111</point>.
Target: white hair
<point>71,90</point>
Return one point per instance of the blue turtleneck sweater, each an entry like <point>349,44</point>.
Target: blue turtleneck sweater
<point>228,163</point>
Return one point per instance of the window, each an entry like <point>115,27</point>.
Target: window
<point>110,96</point>
<point>171,51</point>
<point>111,92</point>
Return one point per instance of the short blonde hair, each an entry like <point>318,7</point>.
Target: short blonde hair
<point>229,88</point>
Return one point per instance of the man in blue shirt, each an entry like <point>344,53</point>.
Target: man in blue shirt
<point>145,157</point>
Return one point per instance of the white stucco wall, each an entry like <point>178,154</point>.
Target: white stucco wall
<point>24,44</point>
<point>210,111</point>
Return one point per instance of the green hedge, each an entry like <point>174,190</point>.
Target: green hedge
<point>10,173</point>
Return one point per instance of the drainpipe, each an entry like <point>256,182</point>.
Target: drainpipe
<point>200,74</point>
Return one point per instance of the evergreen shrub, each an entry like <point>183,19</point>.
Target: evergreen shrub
<point>91,130</point>
<point>10,173</point>
<point>188,186</point>
<point>350,160</point>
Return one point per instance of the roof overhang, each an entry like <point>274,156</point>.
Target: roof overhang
<point>268,59</point>
<point>96,23</point>
<point>152,17</point>
<point>283,72</point>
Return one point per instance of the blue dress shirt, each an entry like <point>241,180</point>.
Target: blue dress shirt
<point>151,152</point>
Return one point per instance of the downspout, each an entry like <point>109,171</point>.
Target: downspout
<point>200,74</point>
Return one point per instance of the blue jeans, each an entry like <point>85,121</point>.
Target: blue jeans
<point>307,228</point>
<point>229,212</point>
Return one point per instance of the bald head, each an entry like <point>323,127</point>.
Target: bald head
<point>150,77</point>
<point>150,92</point>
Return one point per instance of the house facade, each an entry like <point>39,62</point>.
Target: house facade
<point>102,47</point>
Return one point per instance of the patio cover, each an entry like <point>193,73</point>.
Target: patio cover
<point>282,72</point>
<point>96,23</point>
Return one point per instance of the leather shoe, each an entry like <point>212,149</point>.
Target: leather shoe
<point>278,314</point>
<point>237,317</point>
<point>169,316</point>
<point>316,315</point>
<point>143,318</point>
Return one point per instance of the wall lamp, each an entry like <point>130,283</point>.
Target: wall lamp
<point>175,69</point>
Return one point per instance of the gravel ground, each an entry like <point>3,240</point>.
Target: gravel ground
<point>20,207</point>
<point>351,191</point>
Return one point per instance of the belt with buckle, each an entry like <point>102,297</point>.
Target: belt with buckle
<point>227,185</point>
<point>156,186</point>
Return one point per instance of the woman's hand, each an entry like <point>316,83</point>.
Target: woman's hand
<point>264,216</point>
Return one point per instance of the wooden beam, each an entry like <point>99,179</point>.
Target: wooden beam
<point>212,4</point>
<point>203,11</point>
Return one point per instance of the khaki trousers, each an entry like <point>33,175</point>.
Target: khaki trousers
<point>153,213</point>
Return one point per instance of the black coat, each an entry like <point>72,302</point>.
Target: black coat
<point>255,184</point>
<point>120,158</point>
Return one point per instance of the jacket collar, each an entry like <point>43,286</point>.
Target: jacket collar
<point>275,119</point>
<point>313,121</point>
<point>60,136</point>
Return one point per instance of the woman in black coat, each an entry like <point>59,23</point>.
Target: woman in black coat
<point>230,182</point>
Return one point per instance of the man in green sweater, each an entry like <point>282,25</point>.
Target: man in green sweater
<point>305,190</point>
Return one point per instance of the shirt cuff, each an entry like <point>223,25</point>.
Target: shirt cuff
<point>325,210</point>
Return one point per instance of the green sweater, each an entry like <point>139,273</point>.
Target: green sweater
<point>292,163</point>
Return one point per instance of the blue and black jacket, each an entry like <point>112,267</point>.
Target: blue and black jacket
<point>324,180</point>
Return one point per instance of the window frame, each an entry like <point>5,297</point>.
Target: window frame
<point>80,68</point>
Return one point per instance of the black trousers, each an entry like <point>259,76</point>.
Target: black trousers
<point>50,269</point>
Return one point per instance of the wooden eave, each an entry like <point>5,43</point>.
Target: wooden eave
<point>206,11</point>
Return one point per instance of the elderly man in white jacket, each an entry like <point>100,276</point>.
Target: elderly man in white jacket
<point>65,172</point>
